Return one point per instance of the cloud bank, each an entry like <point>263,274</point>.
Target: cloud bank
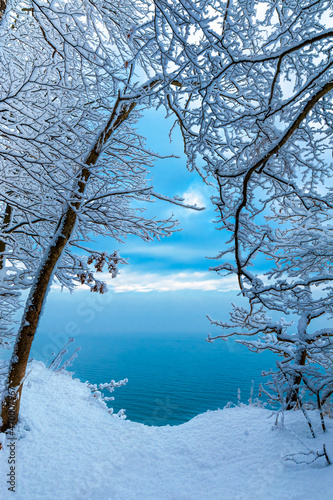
<point>154,282</point>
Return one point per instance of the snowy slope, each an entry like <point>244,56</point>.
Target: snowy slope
<point>69,447</point>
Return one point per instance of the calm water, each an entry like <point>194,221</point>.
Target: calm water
<point>171,379</point>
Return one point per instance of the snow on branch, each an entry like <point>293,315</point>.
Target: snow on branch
<point>176,201</point>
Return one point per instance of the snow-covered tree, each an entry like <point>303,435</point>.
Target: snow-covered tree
<point>75,77</point>
<point>254,104</point>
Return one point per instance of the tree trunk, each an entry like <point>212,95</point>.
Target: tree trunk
<point>292,394</point>
<point>3,5</point>
<point>26,333</point>
<point>6,221</point>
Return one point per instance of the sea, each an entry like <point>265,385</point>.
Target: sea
<point>171,378</point>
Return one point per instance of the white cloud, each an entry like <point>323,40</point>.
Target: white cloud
<point>153,282</point>
<point>194,197</point>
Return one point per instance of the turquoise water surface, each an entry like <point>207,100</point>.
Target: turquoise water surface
<point>171,378</point>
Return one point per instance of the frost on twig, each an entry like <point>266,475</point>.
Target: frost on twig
<point>97,392</point>
<point>57,364</point>
<point>308,457</point>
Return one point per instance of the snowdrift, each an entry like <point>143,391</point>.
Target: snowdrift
<point>68,447</point>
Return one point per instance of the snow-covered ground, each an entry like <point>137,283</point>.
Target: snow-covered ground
<point>69,447</point>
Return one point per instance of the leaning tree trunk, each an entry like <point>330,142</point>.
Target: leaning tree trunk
<point>21,352</point>
<point>18,363</point>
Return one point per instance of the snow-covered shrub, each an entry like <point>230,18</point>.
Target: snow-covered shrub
<point>57,365</point>
<point>97,392</point>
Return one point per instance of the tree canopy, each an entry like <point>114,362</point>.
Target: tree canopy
<point>254,106</point>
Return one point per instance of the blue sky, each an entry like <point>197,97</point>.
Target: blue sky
<point>167,286</point>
